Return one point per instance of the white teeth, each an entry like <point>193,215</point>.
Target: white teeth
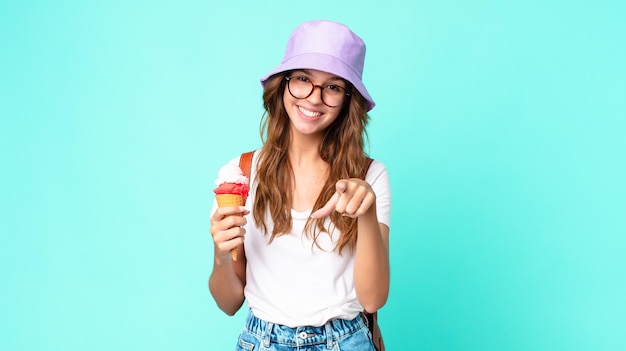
<point>309,113</point>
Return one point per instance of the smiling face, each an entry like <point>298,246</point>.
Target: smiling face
<point>310,116</point>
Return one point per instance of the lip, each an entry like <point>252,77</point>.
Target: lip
<point>308,114</point>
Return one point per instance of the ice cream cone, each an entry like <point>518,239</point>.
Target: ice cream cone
<point>232,190</point>
<point>226,200</point>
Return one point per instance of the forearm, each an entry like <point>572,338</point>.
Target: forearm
<point>226,286</point>
<point>371,267</point>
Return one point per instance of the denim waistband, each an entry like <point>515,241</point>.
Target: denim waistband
<point>330,332</point>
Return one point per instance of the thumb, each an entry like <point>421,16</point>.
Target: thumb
<point>341,186</point>
<point>328,208</point>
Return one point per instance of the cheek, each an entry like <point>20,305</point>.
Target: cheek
<point>289,103</point>
<point>289,106</point>
<point>287,98</point>
<point>334,116</point>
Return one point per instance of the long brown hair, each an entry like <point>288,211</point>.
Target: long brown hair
<point>342,148</point>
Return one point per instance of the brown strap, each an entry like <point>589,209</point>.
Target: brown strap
<point>245,163</point>
<point>368,163</point>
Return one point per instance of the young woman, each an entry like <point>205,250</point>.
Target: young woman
<point>313,244</point>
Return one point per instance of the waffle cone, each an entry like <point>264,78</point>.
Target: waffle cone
<point>226,200</point>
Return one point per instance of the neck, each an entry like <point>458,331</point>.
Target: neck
<point>304,149</point>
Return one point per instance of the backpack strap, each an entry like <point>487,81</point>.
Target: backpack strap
<point>245,163</point>
<point>368,163</point>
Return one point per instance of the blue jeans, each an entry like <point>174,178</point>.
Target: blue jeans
<point>338,334</point>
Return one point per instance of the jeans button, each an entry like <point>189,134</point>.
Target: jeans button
<point>303,335</point>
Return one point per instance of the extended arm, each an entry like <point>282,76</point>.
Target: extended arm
<point>355,198</point>
<point>371,266</point>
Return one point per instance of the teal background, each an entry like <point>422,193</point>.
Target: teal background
<point>501,123</point>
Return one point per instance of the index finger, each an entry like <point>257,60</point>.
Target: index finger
<point>328,208</point>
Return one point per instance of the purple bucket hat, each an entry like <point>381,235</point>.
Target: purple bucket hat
<point>326,46</point>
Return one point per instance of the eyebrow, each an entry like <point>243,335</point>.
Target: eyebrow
<point>307,72</point>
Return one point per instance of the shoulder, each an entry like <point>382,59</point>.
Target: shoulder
<point>376,170</point>
<point>378,177</point>
<point>377,165</point>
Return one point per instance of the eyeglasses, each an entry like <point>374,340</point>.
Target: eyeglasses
<point>301,87</point>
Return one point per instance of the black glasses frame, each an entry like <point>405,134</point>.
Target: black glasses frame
<point>313,86</point>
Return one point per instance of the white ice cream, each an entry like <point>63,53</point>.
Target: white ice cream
<point>231,174</point>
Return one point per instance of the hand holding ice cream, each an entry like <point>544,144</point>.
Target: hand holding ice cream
<point>232,190</point>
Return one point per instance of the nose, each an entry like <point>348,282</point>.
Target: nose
<point>316,98</point>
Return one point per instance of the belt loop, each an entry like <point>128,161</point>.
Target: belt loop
<point>329,335</point>
<point>268,333</point>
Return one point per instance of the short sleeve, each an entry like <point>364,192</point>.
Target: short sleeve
<point>378,178</point>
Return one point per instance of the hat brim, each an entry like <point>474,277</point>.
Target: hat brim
<point>326,63</point>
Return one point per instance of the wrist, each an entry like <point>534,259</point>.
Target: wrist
<point>370,214</point>
<point>222,258</point>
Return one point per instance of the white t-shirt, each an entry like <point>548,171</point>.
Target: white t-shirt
<point>292,281</point>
